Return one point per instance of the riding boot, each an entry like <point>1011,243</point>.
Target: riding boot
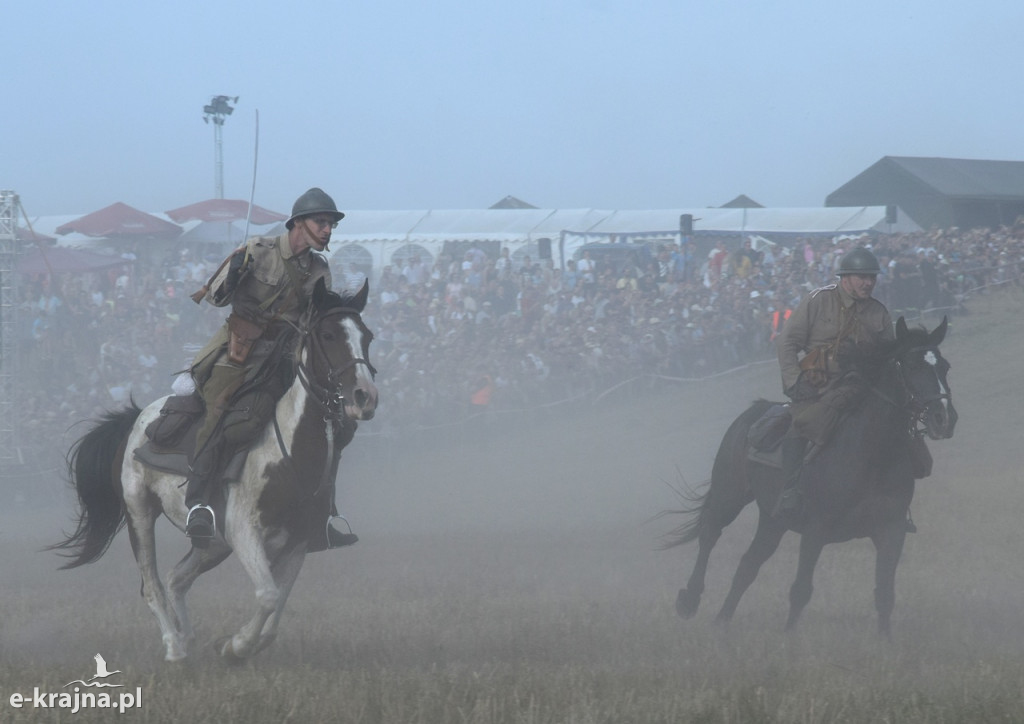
<point>337,539</point>
<point>791,500</point>
<point>331,537</point>
<point>201,523</point>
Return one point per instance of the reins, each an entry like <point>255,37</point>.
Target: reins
<point>328,398</point>
<point>914,405</point>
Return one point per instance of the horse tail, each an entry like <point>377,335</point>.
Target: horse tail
<point>723,495</point>
<point>689,530</point>
<point>94,472</point>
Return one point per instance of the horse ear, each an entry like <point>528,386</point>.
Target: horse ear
<point>359,300</point>
<point>901,328</point>
<point>939,333</point>
<point>319,292</point>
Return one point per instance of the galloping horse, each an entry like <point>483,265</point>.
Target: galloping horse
<point>859,485</point>
<point>285,484</point>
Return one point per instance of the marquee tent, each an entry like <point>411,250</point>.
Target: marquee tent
<point>377,239</point>
<point>224,211</point>
<point>120,221</point>
<point>374,239</point>
<point>367,241</point>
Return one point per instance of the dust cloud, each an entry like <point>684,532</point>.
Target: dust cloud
<point>559,502</point>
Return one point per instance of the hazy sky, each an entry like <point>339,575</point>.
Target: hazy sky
<point>394,104</point>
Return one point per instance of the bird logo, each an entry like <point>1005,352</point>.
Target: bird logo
<point>101,673</point>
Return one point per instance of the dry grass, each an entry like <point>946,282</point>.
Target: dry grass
<point>512,578</point>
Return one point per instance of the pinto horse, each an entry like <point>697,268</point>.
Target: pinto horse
<point>286,480</point>
<point>858,486</point>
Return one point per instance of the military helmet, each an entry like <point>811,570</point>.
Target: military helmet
<point>858,261</point>
<point>314,201</point>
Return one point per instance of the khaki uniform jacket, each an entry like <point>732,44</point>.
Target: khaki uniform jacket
<point>265,291</point>
<point>818,320</point>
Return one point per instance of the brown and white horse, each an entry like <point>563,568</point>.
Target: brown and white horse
<point>285,484</point>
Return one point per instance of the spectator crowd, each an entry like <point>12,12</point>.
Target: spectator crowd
<point>456,336</point>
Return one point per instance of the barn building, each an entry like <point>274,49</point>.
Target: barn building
<point>940,193</point>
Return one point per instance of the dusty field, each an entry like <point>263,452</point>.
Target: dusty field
<point>510,574</point>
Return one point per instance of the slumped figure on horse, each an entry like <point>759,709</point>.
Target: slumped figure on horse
<point>859,485</point>
<point>279,493</point>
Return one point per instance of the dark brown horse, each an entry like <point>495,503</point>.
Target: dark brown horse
<point>858,486</point>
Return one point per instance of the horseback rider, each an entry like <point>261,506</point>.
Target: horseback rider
<point>267,282</point>
<point>819,389</point>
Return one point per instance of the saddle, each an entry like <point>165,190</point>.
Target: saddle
<point>764,440</point>
<point>172,438</point>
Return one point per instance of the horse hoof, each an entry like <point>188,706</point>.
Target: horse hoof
<point>226,649</point>
<point>687,603</point>
<point>264,642</point>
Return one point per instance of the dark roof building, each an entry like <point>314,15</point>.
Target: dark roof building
<point>742,202</point>
<point>940,192</point>
<point>511,202</point>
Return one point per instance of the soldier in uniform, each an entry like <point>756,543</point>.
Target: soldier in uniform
<point>267,282</point>
<point>825,319</point>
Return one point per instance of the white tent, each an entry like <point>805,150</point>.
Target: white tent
<point>657,225</point>
<point>381,238</point>
<point>367,241</point>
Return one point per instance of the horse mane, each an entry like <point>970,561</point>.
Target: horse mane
<point>869,357</point>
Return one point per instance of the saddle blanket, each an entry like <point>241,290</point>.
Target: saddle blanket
<point>176,462</point>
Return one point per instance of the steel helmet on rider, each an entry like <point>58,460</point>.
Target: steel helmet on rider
<point>858,261</point>
<point>314,201</point>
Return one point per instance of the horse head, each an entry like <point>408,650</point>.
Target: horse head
<point>334,353</point>
<point>923,372</point>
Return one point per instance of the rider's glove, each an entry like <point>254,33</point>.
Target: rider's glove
<point>234,271</point>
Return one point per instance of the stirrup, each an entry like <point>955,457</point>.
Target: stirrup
<point>339,539</point>
<point>908,523</point>
<point>201,537</point>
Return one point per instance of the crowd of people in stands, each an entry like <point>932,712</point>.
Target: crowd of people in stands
<point>459,336</point>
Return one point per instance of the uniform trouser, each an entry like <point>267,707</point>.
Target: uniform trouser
<point>225,379</point>
<point>816,419</point>
<point>232,421</point>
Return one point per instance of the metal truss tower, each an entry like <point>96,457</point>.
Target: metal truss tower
<point>10,452</point>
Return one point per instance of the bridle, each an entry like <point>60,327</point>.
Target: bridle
<point>329,398</point>
<point>914,403</point>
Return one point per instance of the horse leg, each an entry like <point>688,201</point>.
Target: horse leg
<point>286,571</point>
<point>712,523</point>
<point>141,515</point>
<point>800,592</point>
<point>251,550</point>
<point>195,563</point>
<point>689,598</point>
<point>762,547</point>
<point>888,549</point>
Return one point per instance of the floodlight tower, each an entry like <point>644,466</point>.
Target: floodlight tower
<point>217,110</point>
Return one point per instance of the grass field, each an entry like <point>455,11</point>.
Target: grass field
<point>511,574</point>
